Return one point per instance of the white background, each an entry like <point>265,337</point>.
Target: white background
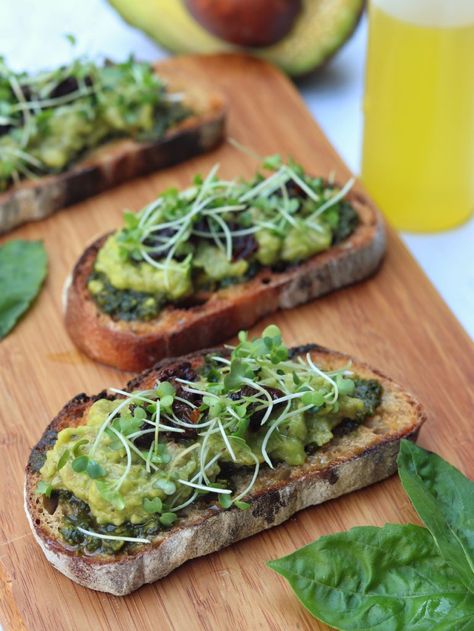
<point>32,37</point>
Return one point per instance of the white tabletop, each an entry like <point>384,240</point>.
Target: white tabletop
<point>32,37</point>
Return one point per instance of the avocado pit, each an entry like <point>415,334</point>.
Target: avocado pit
<point>252,23</point>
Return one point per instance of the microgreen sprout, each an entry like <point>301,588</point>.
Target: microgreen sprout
<point>129,458</point>
<point>90,533</point>
<point>203,487</point>
<point>334,199</point>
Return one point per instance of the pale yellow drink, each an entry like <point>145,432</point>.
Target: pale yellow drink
<point>418,151</point>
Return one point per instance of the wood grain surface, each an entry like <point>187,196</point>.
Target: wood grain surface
<point>396,321</point>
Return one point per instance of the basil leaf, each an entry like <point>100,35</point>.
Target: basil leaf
<point>22,271</point>
<point>165,389</point>
<point>444,499</point>
<point>389,579</point>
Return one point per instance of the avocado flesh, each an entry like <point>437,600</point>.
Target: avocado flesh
<point>320,29</point>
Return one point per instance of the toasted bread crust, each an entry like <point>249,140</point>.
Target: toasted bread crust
<point>366,455</point>
<point>137,345</point>
<point>115,162</point>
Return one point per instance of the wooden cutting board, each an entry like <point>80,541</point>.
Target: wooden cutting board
<point>395,321</point>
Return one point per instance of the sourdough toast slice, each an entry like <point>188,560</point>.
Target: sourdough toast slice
<point>116,161</point>
<point>348,462</point>
<point>136,345</point>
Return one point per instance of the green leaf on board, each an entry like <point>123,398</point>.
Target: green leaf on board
<point>22,271</point>
<point>369,578</point>
<point>400,576</point>
<point>444,499</point>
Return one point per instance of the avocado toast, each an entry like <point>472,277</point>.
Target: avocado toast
<point>75,131</point>
<point>195,266</point>
<point>204,450</point>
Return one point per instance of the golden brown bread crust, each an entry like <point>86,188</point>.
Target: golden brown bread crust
<point>349,462</point>
<point>137,345</point>
<point>120,160</point>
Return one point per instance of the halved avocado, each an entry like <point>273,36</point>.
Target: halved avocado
<point>318,31</point>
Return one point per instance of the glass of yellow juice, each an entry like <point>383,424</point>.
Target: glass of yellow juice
<point>418,146</point>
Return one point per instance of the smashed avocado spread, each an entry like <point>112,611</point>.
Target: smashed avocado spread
<point>199,436</point>
<point>215,234</point>
<point>50,119</point>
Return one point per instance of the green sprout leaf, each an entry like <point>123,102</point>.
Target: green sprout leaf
<point>76,450</point>
<point>239,371</point>
<point>313,398</point>
<point>225,501</point>
<point>80,463</point>
<point>167,519</point>
<point>166,402</point>
<point>63,459</point>
<point>242,427</point>
<point>165,389</point>
<point>345,385</point>
<point>242,505</point>
<point>162,456</point>
<point>130,220</point>
<point>94,470</point>
<point>273,333</point>
<point>127,425</point>
<point>44,488</point>
<point>139,414</point>
<point>242,336</point>
<point>167,486</point>
<point>273,163</point>
<point>154,505</point>
<point>166,393</point>
<point>22,272</point>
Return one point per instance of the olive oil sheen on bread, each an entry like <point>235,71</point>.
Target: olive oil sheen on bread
<point>418,155</point>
